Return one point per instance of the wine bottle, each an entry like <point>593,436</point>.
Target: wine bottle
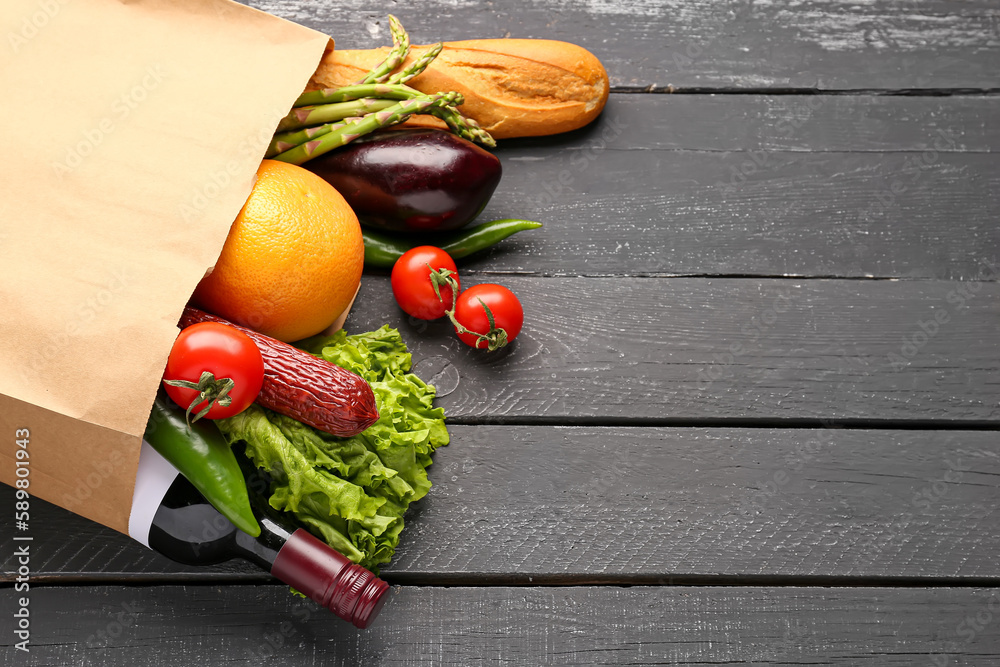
<point>171,517</point>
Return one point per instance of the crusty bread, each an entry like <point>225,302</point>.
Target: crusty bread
<point>512,87</point>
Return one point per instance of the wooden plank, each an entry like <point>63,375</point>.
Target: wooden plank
<point>814,44</point>
<point>815,123</point>
<point>846,186</point>
<point>692,349</point>
<point>206,625</point>
<point>664,503</point>
<point>643,505</point>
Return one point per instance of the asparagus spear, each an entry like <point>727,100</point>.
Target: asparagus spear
<point>463,126</point>
<point>284,141</point>
<point>326,119</point>
<point>393,88</point>
<point>356,92</point>
<point>400,48</point>
<point>418,66</point>
<point>369,123</point>
<point>326,113</point>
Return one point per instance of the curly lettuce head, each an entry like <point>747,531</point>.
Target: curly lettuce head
<point>353,491</point>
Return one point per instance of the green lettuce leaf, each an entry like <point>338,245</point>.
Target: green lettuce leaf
<point>351,492</point>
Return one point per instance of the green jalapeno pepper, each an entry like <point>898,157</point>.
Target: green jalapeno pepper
<point>382,250</point>
<point>201,453</point>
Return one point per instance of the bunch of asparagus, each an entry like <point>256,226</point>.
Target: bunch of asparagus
<point>323,120</point>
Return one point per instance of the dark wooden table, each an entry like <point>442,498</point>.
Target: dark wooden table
<point>752,418</point>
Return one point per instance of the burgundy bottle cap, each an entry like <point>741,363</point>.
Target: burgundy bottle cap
<point>360,596</point>
<point>345,588</point>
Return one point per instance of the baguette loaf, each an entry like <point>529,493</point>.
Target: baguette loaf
<point>512,87</point>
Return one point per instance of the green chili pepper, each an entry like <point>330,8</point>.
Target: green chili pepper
<point>201,454</point>
<point>382,250</point>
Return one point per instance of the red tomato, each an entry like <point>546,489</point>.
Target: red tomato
<point>412,283</point>
<point>224,352</point>
<point>470,313</point>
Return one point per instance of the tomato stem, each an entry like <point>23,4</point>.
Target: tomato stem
<point>495,338</point>
<point>216,392</point>
<point>443,278</point>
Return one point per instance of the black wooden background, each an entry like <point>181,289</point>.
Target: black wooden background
<point>752,417</point>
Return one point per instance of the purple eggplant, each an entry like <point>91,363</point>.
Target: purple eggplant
<point>413,180</point>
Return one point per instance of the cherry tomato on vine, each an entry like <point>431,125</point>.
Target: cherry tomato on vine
<point>218,361</point>
<point>470,312</point>
<point>413,280</point>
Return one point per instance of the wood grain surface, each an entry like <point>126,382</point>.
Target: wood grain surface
<point>752,417</point>
<point>644,505</point>
<point>697,44</point>
<point>844,186</point>
<point>643,625</point>
<point>612,350</point>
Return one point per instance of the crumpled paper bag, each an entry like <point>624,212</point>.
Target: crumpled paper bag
<point>132,130</point>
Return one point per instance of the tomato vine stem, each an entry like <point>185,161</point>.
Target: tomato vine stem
<point>216,392</point>
<point>495,338</point>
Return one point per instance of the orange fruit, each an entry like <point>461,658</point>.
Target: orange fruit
<point>292,262</point>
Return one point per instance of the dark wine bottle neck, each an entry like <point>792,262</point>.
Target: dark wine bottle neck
<point>188,529</point>
<point>264,549</point>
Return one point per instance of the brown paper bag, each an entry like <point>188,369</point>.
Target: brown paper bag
<point>132,132</point>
